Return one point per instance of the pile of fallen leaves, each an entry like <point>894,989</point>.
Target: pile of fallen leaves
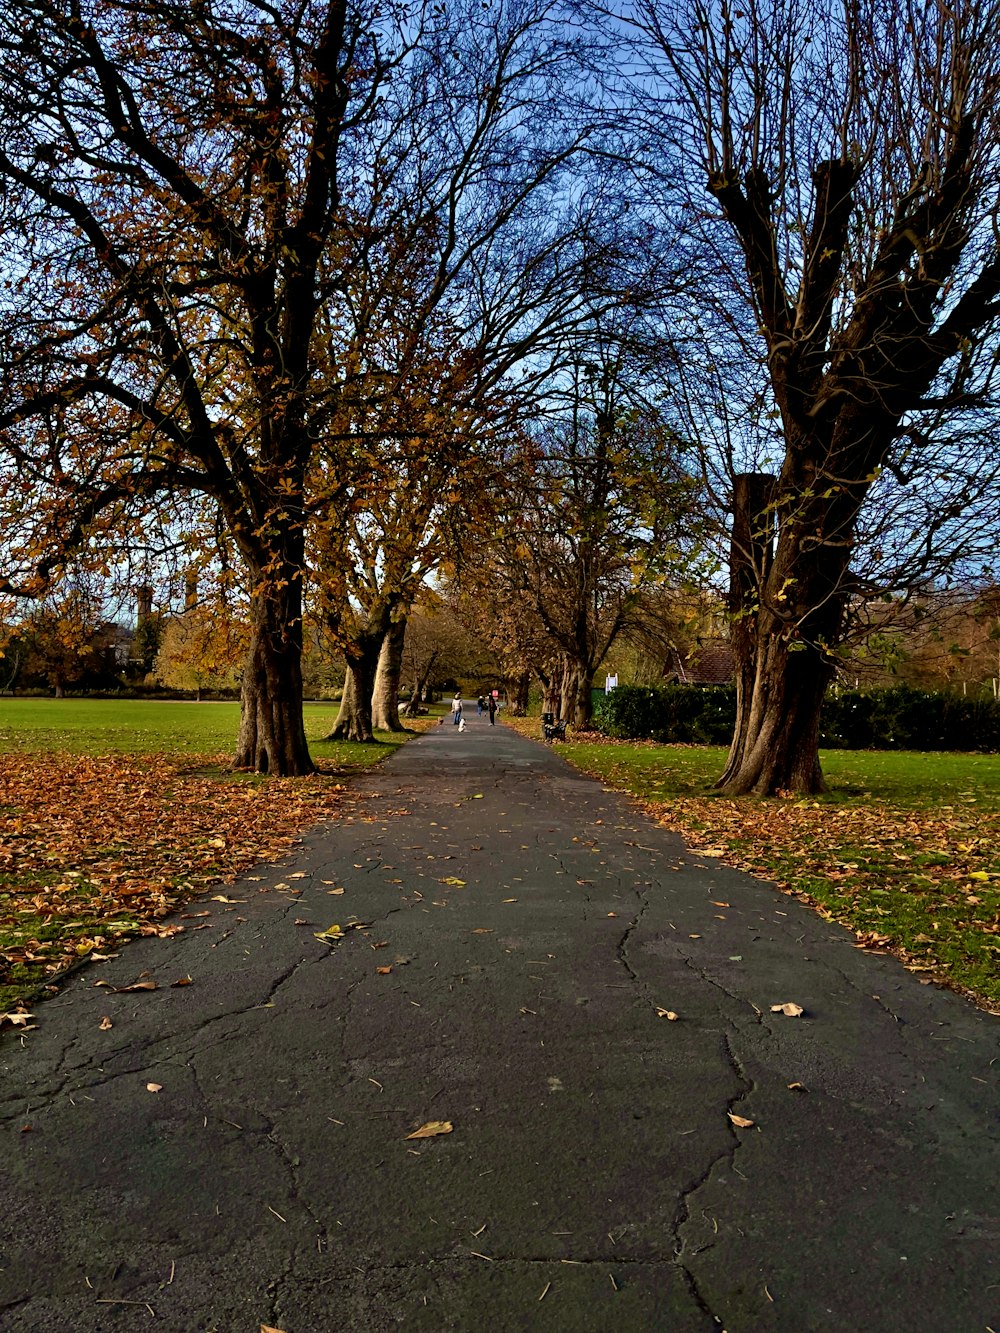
<point>924,886</point>
<point>96,849</point>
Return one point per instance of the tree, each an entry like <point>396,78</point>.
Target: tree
<point>493,241</point>
<point>837,165</point>
<point>172,181</point>
<point>595,519</point>
<point>202,649</point>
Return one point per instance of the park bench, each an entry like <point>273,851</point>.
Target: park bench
<point>551,729</point>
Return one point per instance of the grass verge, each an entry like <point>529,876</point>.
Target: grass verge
<point>904,849</point>
<point>114,813</point>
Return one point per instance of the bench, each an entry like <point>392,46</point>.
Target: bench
<point>551,729</point>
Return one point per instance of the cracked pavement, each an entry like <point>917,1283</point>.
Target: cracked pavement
<point>594,1179</point>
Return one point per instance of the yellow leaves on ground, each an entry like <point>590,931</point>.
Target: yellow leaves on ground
<point>93,848</point>
<point>788,1009</point>
<point>741,1122</point>
<point>432,1129</point>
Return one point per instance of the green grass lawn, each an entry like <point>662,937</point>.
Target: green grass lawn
<point>904,848</point>
<point>152,726</point>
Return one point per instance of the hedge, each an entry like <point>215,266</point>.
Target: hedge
<point>899,718</point>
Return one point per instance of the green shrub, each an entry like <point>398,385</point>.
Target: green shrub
<point>899,718</point>
<point>904,718</point>
<point>700,715</point>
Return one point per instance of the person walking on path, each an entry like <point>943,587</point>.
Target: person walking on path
<point>492,705</point>
<point>456,709</point>
<point>480,706</point>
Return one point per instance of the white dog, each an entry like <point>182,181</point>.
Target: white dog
<point>461,725</point>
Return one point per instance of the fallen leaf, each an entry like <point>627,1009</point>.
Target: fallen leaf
<point>612,914</point>
<point>667,1014</point>
<point>431,1129</point>
<point>333,932</point>
<point>383,971</point>
<point>458,883</point>
<point>789,1010</point>
<point>16,1020</point>
<point>106,1023</point>
<point>335,892</point>
<point>182,981</point>
<point>483,930</point>
<point>221,898</point>
<point>797,1087</point>
<point>266,1328</point>
<point>124,990</point>
<point>740,1120</point>
<point>710,851</point>
<point>154,1087</point>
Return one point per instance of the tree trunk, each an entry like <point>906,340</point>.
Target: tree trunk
<point>750,558</point>
<point>776,744</point>
<point>519,699</point>
<point>385,694</point>
<point>354,720</point>
<point>577,701</point>
<point>419,688</point>
<point>272,736</point>
<point>782,628</point>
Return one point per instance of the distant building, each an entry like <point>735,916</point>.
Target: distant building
<point>710,662</point>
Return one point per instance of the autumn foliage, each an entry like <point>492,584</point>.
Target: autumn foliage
<point>98,849</point>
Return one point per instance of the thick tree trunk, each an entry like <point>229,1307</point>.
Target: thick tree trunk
<point>272,736</point>
<point>776,744</point>
<point>783,626</point>
<point>354,717</point>
<point>385,694</point>
<point>577,701</point>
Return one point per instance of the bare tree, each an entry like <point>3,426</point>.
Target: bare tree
<point>603,510</point>
<point>837,166</point>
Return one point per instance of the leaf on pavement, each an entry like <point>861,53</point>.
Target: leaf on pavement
<point>432,1129</point>
<point>741,1121</point>
<point>458,883</point>
<point>789,1010</point>
<point>106,1023</point>
<point>333,932</point>
<point>17,1020</point>
<point>154,1087</point>
<point>667,1014</point>
<point>182,981</point>
<point>383,971</point>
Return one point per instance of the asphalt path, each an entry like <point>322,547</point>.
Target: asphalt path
<point>528,935</point>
